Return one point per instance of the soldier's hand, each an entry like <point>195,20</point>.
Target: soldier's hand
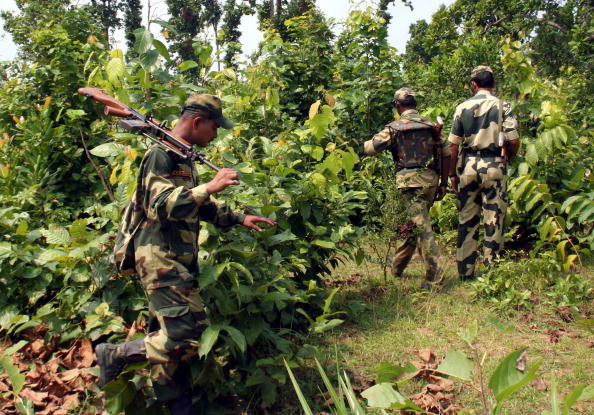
<point>223,179</point>
<point>250,222</point>
<point>441,192</point>
<point>455,180</point>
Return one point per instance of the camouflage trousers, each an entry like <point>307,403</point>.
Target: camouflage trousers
<point>418,202</point>
<point>179,314</point>
<point>482,189</point>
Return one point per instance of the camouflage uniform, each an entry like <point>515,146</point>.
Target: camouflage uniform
<point>482,173</point>
<point>417,182</point>
<point>162,224</point>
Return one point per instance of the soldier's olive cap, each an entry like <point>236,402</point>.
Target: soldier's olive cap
<point>402,93</point>
<point>481,68</point>
<point>207,106</point>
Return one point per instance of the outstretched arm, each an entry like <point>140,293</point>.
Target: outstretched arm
<point>250,222</point>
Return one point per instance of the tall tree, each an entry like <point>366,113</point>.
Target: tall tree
<point>107,12</point>
<point>132,20</point>
<point>189,18</point>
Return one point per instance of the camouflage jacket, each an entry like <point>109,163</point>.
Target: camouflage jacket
<point>385,140</point>
<point>476,122</point>
<point>167,208</point>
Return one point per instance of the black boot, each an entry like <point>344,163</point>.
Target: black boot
<point>181,405</point>
<point>113,358</point>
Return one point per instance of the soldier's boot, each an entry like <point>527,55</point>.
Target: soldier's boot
<point>181,405</point>
<point>113,358</point>
<point>433,280</point>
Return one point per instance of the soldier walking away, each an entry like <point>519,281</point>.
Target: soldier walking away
<point>158,241</point>
<point>422,162</point>
<point>484,137</point>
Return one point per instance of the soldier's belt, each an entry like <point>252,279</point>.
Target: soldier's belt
<point>469,152</point>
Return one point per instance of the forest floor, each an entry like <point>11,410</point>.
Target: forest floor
<point>403,323</point>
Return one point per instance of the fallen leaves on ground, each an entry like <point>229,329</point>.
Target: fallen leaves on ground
<point>438,396</point>
<point>55,380</point>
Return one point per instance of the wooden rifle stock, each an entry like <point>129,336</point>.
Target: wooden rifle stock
<point>146,126</point>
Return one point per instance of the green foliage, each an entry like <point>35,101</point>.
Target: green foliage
<point>530,281</point>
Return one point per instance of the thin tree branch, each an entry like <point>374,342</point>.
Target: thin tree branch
<point>97,169</point>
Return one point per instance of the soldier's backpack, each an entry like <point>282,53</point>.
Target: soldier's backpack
<point>131,221</point>
<point>414,143</point>
<point>124,245</point>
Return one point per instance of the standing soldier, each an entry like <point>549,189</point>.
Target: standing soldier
<point>483,138</point>
<point>158,240</point>
<point>422,161</point>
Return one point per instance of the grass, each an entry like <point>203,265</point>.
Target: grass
<point>401,319</point>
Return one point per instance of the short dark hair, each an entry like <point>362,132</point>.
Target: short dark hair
<point>408,102</point>
<point>484,79</point>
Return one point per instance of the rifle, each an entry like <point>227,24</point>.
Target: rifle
<point>146,125</point>
<point>437,150</point>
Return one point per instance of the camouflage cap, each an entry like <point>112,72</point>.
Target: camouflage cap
<point>207,106</point>
<point>478,69</point>
<point>402,93</point>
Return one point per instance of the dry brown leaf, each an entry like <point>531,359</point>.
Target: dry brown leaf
<point>539,385</point>
<point>418,365</point>
<point>434,387</point>
<point>69,375</point>
<point>521,361</point>
<point>34,333</point>
<point>36,397</point>
<point>71,401</point>
<point>426,355</point>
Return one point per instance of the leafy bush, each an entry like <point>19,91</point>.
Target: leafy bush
<point>530,281</point>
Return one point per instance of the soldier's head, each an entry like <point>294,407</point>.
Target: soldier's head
<point>200,117</point>
<point>404,99</point>
<point>482,77</point>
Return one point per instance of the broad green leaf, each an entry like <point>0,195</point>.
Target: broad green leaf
<point>266,146</point>
<point>16,378</point>
<point>325,325</point>
<point>75,114</point>
<point>14,348</point>
<point>506,379</point>
<point>78,229</point>
<point>458,365</point>
<point>383,395</point>
<point>162,49</point>
<point>318,180</point>
<point>531,154</point>
<point>587,215</point>
<point>324,244</point>
<point>115,70</point>
<point>56,235</point>
<point>185,65</point>
<point>209,274</point>
<point>568,202</point>
<point>241,268</point>
<point>21,229</point>
<point>284,236</point>
<point>388,372</point>
<point>144,40</point>
<point>321,122</point>
<point>107,150</point>
<point>237,337</point>
<point>119,393</point>
<point>317,153</point>
<point>208,339</point>
<point>5,250</point>
<point>149,59</point>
